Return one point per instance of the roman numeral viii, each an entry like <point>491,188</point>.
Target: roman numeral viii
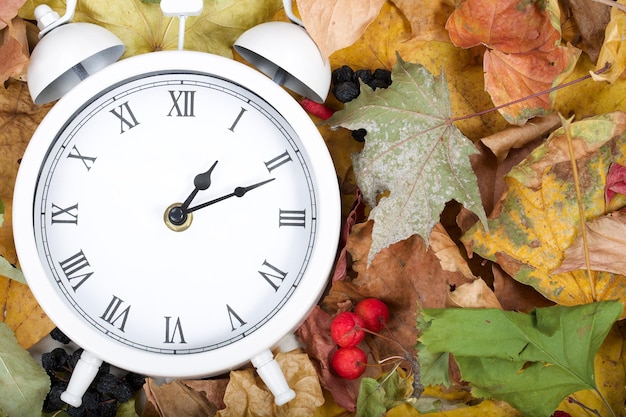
<point>112,316</point>
<point>183,103</point>
<point>76,269</point>
<point>126,117</point>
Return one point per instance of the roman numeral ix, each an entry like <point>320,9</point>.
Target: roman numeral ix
<point>64,215</point>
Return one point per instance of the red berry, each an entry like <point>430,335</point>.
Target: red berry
<point>316,109</point>
<point>346,329</point>
<point>374,313</point>
<point>559,413</point>
<point>349,362</point>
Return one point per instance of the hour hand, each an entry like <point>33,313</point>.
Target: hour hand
<point>238,192</point>
<point>202,181</point>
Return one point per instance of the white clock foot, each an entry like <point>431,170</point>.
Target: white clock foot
<point>84,373</point>
<point>269,371</point>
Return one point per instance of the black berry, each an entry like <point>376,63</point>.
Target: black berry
<point>53,400</point>
<point>59,336</point>
<point>346,91</point>
<point>55,360</point>
<point>383,75</point>
<point>365,75</point>
<point>359,134</point>
<point>135,381</point>
<point>342,74</point>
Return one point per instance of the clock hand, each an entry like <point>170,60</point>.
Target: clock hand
<point>201,182</point>
<point>238,192</point>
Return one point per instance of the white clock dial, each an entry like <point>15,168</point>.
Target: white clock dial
<point>109,175</point>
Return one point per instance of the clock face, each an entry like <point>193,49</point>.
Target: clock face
<point>177,213</point>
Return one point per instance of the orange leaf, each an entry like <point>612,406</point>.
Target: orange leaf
<point>336,24</point>
<point>524,56</point>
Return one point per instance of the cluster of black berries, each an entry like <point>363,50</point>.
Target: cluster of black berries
<point>346,86</point>
<point>106,392</point>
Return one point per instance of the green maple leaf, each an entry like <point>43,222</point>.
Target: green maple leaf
<point>412,150</point>
<point>532,361</point>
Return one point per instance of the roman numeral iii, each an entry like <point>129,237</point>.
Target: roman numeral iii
<point>296,218</point>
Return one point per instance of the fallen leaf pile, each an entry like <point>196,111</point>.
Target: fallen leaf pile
<point>486,208</point>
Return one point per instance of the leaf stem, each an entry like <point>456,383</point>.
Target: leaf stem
<point>540,93</point>
<point>581,208</point>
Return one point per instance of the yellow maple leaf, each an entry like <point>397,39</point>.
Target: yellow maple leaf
<point>613,49</point>
<point>538,217</point>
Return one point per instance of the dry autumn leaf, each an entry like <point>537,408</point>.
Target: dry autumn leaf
<point>246,395</point>
<point>175,399</point>
<point>427,18</point>
<point>524,55</point>
<point>613,49</point>
<point>473,295</point>
<point>336,24</point>
<point>538,215</point>
<point>13,50</point>
<point>605,246</point>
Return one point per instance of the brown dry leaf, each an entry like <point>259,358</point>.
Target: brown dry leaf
<point>19,118</point>
<point>613,50</point>
<point>448,252</point>
<point>21,313</point>
<point>336,24</point>
<point>427,18</point>
<point>8,10</point>
<point>174,400</point>
<point>473,295</point>
<point>590,20</point>
<point>516,137</point>
<point>515,296</point>
<point>13,50</point>
<point>246,395</point>
<point>606,240</point>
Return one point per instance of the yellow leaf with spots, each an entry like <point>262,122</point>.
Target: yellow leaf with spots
<point>537,217</point>
<point>21,313</point>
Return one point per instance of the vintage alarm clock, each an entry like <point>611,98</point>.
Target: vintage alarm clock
<point>176,213</point>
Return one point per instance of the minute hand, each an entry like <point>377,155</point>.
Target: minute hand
<point>238,192</point>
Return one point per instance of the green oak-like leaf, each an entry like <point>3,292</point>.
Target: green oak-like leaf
<point>412,150</point>
<point>531,361</point>
<point>23,382</point>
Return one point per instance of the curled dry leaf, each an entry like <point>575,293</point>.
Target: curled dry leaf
<point>516,137</point>
<point>606,246</point>
<point>13,50</point>
<point>590,19</point>
<point>448,252</point>
<point>336,24</point>
<point>246,395</point>
<point>175,399</point>
<point>427,18</point>
<point>613,50</point>
<point>473,295</point>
